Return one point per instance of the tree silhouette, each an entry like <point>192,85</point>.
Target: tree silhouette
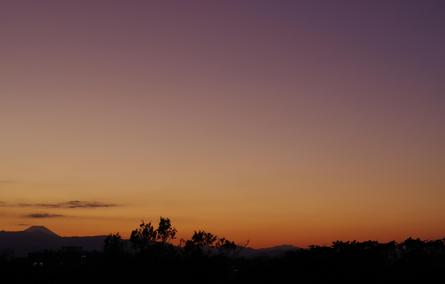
<point>165,232</point>
<point>226,245</point>
<point>144,237</point>
<point>203,241</point>
<point>113,244</point>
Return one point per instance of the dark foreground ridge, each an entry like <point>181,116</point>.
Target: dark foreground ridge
<point>150,257</point>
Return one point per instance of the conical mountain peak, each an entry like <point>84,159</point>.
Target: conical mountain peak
<point>40,230</point>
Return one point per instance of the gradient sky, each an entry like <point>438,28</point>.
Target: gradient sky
<point>297,122</point>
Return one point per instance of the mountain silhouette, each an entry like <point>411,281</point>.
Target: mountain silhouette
<point>275,251</point>
<point>38,238</point>
<point>41,230</point>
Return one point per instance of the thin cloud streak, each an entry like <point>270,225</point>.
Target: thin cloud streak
<point>76,204</point>
<point>73,204</point>
<point>43,215</point>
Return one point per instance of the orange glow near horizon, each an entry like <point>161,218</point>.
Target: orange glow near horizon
<point>291,123</point>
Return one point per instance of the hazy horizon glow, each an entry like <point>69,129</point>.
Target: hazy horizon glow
<point>296,122</point>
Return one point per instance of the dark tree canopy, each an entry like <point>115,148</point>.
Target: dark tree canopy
<point>143,237</point>
<point>113,244</point>
<point>147,235</point>
<point>165,232</point>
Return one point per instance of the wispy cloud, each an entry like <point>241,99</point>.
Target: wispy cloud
<point>77,204</point>
<point>43,215</point>
<point>72,204</point>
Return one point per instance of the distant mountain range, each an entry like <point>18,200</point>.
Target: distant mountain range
<point>39,238</point>
<point>275,251</point>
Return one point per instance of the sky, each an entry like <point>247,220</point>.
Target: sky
<point>277,122</point>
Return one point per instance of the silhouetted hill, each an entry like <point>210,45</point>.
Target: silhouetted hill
<point>276,251</point>
<point>41,230</point>
<point>37,238</point>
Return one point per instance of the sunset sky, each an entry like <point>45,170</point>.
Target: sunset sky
<point>278,122</point>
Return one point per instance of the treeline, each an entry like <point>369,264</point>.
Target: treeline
<point>150,256</point>
<point>151,240</point>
